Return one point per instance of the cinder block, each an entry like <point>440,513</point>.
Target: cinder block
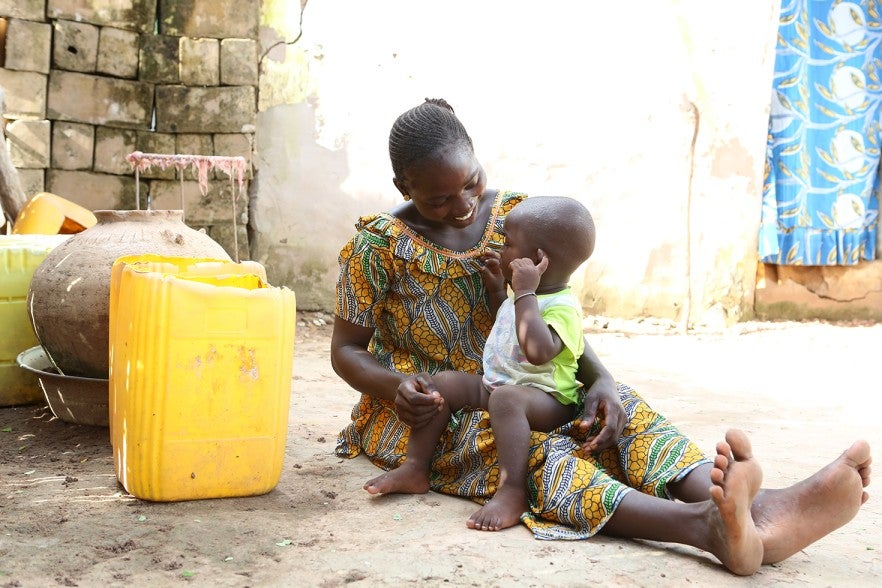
<point>224,109</point>
<point>238,62</point>
<point>28,142</point>
<point>24,93</point>
<point>118,52</point>
<point>91,190</point>
<point>215,207</point>
<point>159,59</point>
<point>111,148</point>
<point>28,45</point>
<point>33,181</point>
<point>218,19</point>
<point>27,9</point>
<point>223,234</point>
<point>73,145</point>
<point>234,145</point>
<point>112,101</point>
<point>194,144</point>
<point>134,15</point>
<point>162,143</point>
<point>75,47</point>
<point>200,62</point>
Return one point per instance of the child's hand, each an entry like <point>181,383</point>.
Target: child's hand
<point>525,275</point>
<point>491,271</point>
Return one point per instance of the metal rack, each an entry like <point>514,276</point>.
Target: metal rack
<point>234,167</point>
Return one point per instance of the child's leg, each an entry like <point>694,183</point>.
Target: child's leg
<point>457,389</point>
<point>514,412</point>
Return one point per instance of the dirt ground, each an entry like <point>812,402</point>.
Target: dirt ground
<point>803,392</point>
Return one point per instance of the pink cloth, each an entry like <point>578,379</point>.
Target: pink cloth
<point>232,166</point>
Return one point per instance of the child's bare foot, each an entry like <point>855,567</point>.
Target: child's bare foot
<point>503,511</point>
<point>736,477</point>
<point>402,480</point>
<point>792,518</point>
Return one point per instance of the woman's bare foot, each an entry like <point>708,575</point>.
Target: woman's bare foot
<point>503,511</point>
<point>736,477</point>
<point>792,518</point>
<point>405,479</point>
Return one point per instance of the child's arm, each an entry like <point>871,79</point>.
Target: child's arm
<point>538,341</point>
<point>494,282</point>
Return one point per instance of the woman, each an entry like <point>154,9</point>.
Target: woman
<point>410,303</point>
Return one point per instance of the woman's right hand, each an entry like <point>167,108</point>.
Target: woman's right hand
<point>417,400</point>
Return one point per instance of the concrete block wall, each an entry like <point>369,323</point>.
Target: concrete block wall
<point>85,83</point>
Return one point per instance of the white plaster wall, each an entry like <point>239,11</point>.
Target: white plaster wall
<point>585,99</point>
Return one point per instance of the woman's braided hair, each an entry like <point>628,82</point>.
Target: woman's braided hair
<point>424,131</point>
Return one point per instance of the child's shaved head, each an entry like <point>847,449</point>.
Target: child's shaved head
<point>560,226</point>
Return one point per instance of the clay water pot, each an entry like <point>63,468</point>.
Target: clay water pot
<point>69,296</point>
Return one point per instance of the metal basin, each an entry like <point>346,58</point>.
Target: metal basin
<point>73,399</point>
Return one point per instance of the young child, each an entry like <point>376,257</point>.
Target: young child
<point>530,358</point>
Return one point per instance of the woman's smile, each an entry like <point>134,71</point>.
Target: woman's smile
<point>470,213</point>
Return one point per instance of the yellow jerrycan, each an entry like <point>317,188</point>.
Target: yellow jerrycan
<point>201,358</point>
<point>20,255</point>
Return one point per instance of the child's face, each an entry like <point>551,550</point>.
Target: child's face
<point>517,244</point>
<point>446,189</point>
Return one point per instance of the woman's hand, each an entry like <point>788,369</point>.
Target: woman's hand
<point>602,402</point>
<point>417,400</point>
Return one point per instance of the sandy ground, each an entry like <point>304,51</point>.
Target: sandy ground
<point>802,391</point>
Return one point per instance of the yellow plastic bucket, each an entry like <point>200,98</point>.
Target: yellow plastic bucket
<point>19,257</point>
<point>48,214</point>
<point>201,360</point>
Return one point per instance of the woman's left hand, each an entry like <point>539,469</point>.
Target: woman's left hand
<point>602,402</point>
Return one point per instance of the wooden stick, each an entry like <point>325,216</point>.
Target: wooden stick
<point>12,196</point>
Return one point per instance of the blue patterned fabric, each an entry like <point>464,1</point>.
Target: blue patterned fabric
<point>820,193</point>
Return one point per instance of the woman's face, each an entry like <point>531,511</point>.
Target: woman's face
<point>446,189</point>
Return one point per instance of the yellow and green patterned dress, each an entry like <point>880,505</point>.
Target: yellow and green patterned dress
<point>429,310</point>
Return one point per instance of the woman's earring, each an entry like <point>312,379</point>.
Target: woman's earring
<point>406,197</point>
